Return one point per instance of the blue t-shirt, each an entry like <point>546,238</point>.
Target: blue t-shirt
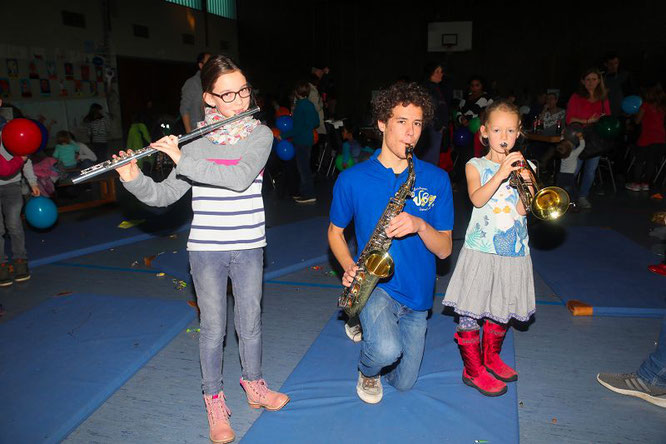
<point>497,227</point>
<point>362,193</point>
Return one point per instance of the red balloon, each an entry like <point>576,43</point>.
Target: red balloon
<point>315,136</point>
<point>21,137</point>
<point>282,111</point>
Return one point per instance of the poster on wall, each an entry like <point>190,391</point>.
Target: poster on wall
<point>85,72</point>
<point>12,68</point>
<point>51,69</point>
<point>99,73</point>
<point>4,88</point>
<point>32,67</point>
<point>63,89</point>
<point>69,71</point>
<point>25,88</point>
<point>45,87</point>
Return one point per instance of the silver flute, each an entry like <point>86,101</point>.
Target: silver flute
<point>119,161</point>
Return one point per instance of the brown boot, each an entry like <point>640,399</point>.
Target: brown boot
<point>218,418</point>
<point>258,395</point>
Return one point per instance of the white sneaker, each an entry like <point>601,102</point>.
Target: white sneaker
<point>369,389</point>
<point>354,332</point>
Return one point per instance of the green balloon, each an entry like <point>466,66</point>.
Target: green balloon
<point>340,164</point>
<point>609,127</point>
<point>474,125</point>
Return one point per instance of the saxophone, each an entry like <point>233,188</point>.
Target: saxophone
<point>375,262</point>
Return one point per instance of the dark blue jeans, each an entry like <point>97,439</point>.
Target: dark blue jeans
<point>210,270</point>
<point>304,170</point>
<point>653,369</point>
<point>11,200</point>
<point>392,332</point>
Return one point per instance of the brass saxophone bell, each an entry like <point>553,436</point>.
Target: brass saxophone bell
<point>379,263</point>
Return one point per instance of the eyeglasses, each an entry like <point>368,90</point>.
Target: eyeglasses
<point>230,96</point>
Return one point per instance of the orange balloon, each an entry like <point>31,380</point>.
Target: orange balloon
<point>282,111</point>
<point>276,132</point>
<point>316,136</point>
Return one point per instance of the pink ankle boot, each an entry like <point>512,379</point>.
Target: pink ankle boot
<point>258,395</point>
<point>218,418</point>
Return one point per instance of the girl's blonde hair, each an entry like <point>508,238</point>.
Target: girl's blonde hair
<point>499,105</point>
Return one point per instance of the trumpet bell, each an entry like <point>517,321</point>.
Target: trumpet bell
<point>379,263</point>
<point>550,203</point>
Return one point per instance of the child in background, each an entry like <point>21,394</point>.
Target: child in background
<point>568,150</point>
<point>224,171</point>
<point>65,151</point>
<point>651,143</point>
<point>306,120</point>
<point>493,280</point>
<point>86,156</point>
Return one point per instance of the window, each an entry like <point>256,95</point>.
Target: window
<point>223,8</point>
<point>194,4</point>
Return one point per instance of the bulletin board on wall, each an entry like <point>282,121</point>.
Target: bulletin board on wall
<point>55,86</point>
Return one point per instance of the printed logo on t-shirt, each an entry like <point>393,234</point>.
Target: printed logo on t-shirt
<point>423,199</point>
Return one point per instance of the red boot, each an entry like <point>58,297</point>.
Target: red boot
<point>493,335</point>
<point>474,373</point>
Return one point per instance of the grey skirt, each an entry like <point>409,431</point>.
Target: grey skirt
<point>485,285</point>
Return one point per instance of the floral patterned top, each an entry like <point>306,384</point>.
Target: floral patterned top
<point>497,228</point>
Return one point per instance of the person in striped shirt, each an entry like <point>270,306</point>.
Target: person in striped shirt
<point>224,169</point>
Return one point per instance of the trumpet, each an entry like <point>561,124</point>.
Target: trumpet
<point>101,168</point>
<point>547,203</point>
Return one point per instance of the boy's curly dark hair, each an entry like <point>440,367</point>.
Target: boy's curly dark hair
<point>402,93</point>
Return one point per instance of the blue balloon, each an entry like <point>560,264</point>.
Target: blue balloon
<point>284,123</point>
<point>631,104</point>
<point>285,150</point>
<point>462,137</point>
<point>41,212</point>
<point>45,134</point>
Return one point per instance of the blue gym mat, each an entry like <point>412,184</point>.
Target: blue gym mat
<point>76,237</point>
<point>325,408</point>
<point>291,247</point>
<point>61,360</point>
<point>604,269</point>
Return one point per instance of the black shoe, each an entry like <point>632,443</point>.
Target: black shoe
<point>21,271</point>
<point>5,275</point>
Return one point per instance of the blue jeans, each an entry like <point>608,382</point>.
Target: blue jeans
<point>11,201</point>
<point>392,332</point>
<point>304,170</point>
<point>210,270</point>
<point>589,170</point>
<point>653,369</point>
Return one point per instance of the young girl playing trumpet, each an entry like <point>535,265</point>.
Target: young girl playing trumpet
<point>493,281</point>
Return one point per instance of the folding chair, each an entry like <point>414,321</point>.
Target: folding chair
<point>605,162</point>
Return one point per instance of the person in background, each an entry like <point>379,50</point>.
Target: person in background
<point>97,124</point>
<point>651,143</point>
<point>586,107</point>
<point>306,120</point>
<point>430,142</point>
<point>191,103</point>
<point>87,157</point>
<point>66,151</point>
<point>11,204</point>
